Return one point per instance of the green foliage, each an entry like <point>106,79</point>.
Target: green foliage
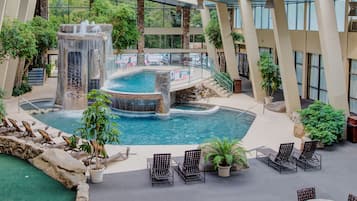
<point>271,80</point>
<point>46,37</point>
<point>323,122</point>
<point>225,152</point>
<point>22,89</point>
<point>48,69</point>
<point>17,40</point>
<point>96,123</point>
<point>237,37</point>
<point>213,33</point>
<point>2,106</point>
<point>123,19</point>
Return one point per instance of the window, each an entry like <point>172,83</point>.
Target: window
<point>161,15</point>
<point>340,16</point>
<point>237,18</point>
<point>353,87</point>
<point>163,41</point>
<point>295,14</point>
<point>317,81</point>
<point>265,49</point>
<point>299,60</point>
<point>262,18</point>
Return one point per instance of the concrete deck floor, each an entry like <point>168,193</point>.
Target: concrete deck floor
<point>335,181</point>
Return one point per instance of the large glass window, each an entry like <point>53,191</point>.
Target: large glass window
<point>237,18</point>
<point>262,18</point>
<point>295,14</point>
<point>353,87</point>
<point>162,15</point>
<point>340,16</point>
<point>163,41</point>
<point>317,80</point>
<point>299,60</point>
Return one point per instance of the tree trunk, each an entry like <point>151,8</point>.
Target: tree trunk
<point>19,72</point>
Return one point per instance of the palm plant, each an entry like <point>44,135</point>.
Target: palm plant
<point>271,80</point>
<point>225,152</point>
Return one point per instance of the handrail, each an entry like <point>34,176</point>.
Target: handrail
<point>33,105</point>
<point>222,80</point>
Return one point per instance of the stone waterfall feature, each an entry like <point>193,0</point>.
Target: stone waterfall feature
<point>162,85</point>
<point>84,62</point>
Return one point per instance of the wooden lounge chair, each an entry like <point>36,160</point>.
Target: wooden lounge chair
<point>46,137</point>
<point>5,127</point>
<point>352,197</point>
<point>160,169</point>
<point>281,161</point>
<point>14,124</point>
<point>5,124</point>
<point>308,158</point>
<point>306,194</point>
<point>71,143</point>
<point>189,167</point>
<point>28,129</point>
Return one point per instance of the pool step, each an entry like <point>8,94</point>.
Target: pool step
<point>213,85</point>
<point>36,77</point>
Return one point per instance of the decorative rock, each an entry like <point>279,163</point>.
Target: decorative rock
<point>19,147</point>
<point>82,192</point>
<point>195,93</point>
<point>278,106</point>
<point>61,166</point>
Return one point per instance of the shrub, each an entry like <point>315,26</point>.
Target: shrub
<point>22,89</point>
<point>323,122</point>
<point>2,106</point>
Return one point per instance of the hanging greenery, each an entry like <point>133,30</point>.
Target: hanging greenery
<point>2,106</point>
<point>323,122</point>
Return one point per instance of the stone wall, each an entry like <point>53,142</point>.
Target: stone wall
<point>56,163</point>
<point>193,94</point>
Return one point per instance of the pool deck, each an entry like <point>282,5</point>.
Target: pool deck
<point>269,128</point>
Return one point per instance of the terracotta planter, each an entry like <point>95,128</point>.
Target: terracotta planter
<point>224,171</point>
<point>96,175</point>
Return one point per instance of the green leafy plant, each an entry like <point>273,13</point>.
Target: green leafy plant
<point>225,152</point>
<point>322,122</point>
<point>271,80</point>
<point>22,89</point>
<point>48,69</point>
<point>2,106</point>
<point>97,123</point>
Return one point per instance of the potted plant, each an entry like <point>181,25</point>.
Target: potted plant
<point>224,153</point>
<point>271,80</point>
<point>323,123</point>
<point>97,126</point>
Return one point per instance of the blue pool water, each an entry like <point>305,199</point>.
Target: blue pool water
<point>142,82</point>
<point>179,129</point>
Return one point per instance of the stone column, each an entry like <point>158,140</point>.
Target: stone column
<point>163,85</point>
<point>286,58</point>
<point>42,8</point>
<point>2,11</point>
<point>227,40</point>
<point>186,27</point>
<point>332,55</point>
<point>141,28</point>
<point>252,46</point>
<point>211,50</point>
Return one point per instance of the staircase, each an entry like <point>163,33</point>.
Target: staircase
<point>36,76</point>
<point>216,87</point>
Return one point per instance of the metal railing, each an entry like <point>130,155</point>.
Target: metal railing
<point>220,78</point>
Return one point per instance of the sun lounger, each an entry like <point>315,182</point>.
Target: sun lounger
<point>189,167</point>
<point>308,158</point>
<point>160,169</point>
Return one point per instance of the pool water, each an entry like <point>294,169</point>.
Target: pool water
<point>178,129</point>
<point>20,181</point>
<point>142,82</point>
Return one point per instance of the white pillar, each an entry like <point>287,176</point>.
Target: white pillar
<point>332,55</point>
<point>2,11</point>
<point>252,46</point>
<point>211,50</point>
<point>286,58</point>
<point>227,40</point>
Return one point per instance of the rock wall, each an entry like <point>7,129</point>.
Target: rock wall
<point>193,94</point>
<point>163,85</point>
<point>56,163</point>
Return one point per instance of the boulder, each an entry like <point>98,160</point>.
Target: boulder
<point>299,131</point>
<point>61,166</point>
<point>82,192</point>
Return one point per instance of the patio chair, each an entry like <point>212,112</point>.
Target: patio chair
<point>46,137</point>
<point>14,124</point>
<point>5,127</point>
<point>352,197</point>
<point>28,129</point>
<point>5,124</point>
<point>160,169</point>
<point>280,161</point>
<point>308,158</point>
<point>189,167</point>
<point>306,194</point>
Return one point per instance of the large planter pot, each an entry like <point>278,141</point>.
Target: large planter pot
<point>96,175</point>
<point>224,171</point>
<point>268,99</point>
